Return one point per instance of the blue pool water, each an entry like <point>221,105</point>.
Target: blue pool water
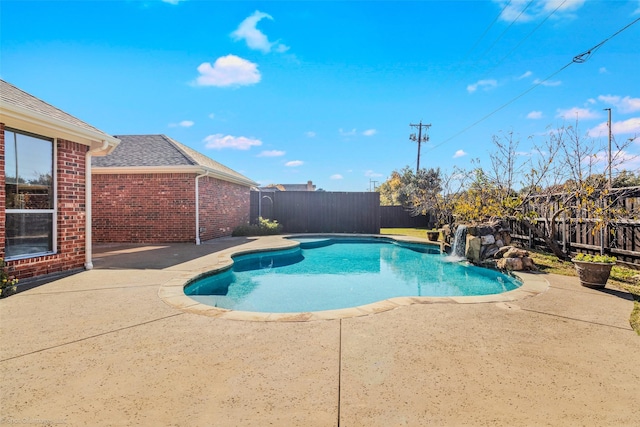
<point>326,274</point>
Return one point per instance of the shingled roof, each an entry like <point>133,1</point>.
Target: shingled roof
<point>25,109</point>
<point>145,153</point>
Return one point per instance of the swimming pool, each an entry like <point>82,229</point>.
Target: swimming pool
<point>335,273</point>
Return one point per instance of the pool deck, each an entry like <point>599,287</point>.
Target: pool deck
<point>107,348</point>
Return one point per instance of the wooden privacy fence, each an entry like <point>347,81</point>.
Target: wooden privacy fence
<point>399,217</point>
<point>576,232</point>
<point>319,211</point>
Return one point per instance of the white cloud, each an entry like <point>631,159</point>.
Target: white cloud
<point>310,134</point>
<point>256,39</point>
<point>272,153</point>
<point>526,11</point>
<point>369,132</point>
<point>549,83</point>
<point>228,70</point>
<point>173,1</point>
<point>336,176</point>
<point>625,127</point>
<point>482,84</point>
<point>534,115</point>
<point>183,124</point>
<point>212,116</point>
<point>372,174</point>
<point>294,163</point>
<point>347,133</point>
<point>219,141</point>
<point>577,113</point>
<point>459,153</point>
<point>625,105</point>
<point>603,70</point>
<point>525,75</point>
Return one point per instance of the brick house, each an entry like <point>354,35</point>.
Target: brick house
<point>153,189</point>
<point>45,179</point>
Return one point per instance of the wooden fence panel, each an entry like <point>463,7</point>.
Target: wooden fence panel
<point>322,211</point>
<point>399,217</point>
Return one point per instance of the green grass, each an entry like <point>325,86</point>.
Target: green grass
<point>414,232</point>
<point>621,277</point>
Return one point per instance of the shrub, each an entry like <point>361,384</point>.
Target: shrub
<point>8,284</point>
<point>264,227</point>
<point>595,258</point>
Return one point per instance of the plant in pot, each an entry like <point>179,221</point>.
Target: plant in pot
<point>433,234</point>
<point>8,284</point>
<point>593,270</point>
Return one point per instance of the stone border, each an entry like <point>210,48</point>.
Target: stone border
<point>172,292</point>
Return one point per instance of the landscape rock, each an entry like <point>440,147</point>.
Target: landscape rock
<point>474,248</point>
<point>515,253</point>
<point>510,264</point>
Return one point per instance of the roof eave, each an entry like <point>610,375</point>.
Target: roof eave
<point>31,121</point>
<point>199,170</point>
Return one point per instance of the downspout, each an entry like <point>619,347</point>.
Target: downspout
<point>88,263</point>
<point>198,207</point>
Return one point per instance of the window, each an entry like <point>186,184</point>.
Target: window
<point>29,192</point>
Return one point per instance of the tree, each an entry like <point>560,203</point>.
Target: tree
<point>416,191</point>
<point>566,176</point>
<point>390,190</point>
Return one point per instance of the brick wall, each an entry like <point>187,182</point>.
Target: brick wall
<point>223,207</point>
<point>143,208</point>
<point>70,169</point>
<point>160,208</point>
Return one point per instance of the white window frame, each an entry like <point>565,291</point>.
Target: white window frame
<point>54,211</point>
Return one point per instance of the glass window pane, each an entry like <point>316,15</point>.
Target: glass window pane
<point>28,233</point>
<point>29,172</point>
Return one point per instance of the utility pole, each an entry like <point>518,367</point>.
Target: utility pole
<point>419,138</point>
<point>374,184</point>
<point>609,161</point>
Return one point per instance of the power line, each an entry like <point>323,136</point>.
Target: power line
<point>486,30</point>
<point>526,37</point>
<point>578,59</point>
<point>506,29</point>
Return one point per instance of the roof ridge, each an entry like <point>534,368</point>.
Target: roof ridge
<point>180,147</point>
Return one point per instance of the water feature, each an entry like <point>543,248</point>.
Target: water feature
<point>458,248</point>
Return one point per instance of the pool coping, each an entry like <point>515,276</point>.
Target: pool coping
<point>172,292</point>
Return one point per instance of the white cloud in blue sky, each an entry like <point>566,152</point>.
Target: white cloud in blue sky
<point>623,104</point>
<point>459,153</point>
<point>523,11</point>
<point>183,124</point>
<point>371,174</point>
<point>369,132</point>
<point>228,70</point>
<point>534,115</point>
<point>219,141</point>
<point>549,83</point>
<point>336,176</point>
<point>486,84</point>
<point>343,132</point>
<point>294,163</point>
<point>272,153</point>
<point>256,39</point>
<point>574,113</point>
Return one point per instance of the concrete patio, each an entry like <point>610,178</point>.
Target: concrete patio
<point>101,348</point>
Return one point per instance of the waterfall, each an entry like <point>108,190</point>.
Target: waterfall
<point>459,244</point>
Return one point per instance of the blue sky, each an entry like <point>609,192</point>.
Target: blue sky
<point>286,92</point>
